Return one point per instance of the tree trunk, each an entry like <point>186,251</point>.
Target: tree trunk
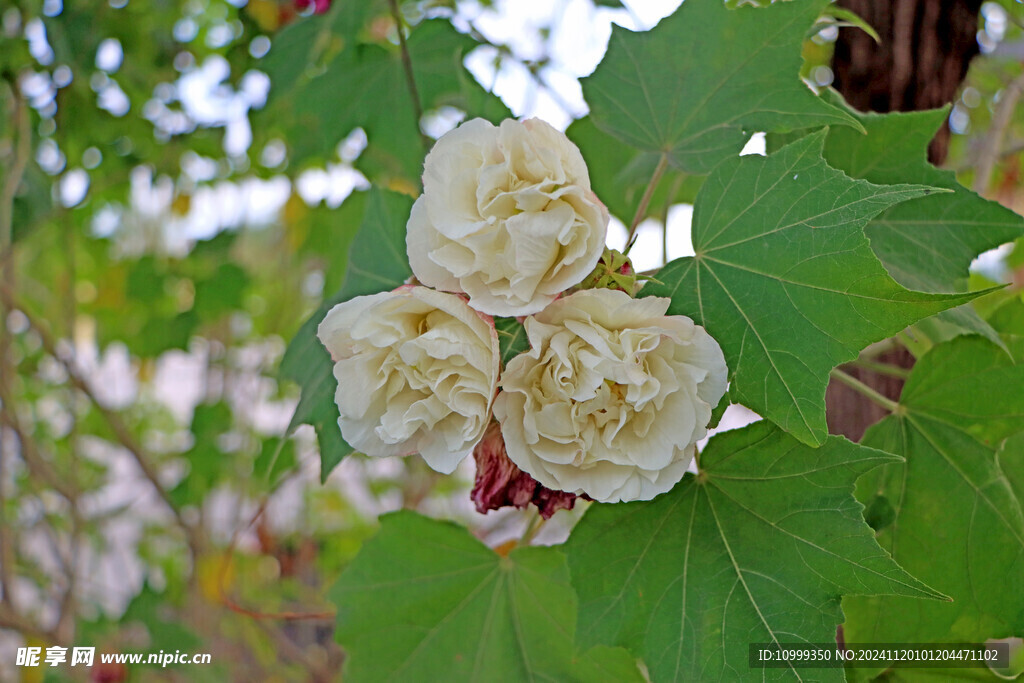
<point>926,48</point>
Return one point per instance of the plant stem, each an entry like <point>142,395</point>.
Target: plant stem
<point>864,390</point>
<point>532,527</point>
<point>645,201</point>
<point>410,77</point>
<point>882,368</point>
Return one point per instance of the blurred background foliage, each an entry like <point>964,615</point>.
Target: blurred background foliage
<point>181,183</point>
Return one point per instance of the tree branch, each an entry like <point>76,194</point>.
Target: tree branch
<point>113,420</point>
<point>22,151</point>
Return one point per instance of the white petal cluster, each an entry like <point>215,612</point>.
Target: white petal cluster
<point>416,370</point>
<point>507,216</point>
<point>612,397</point>
<point>613,394</point>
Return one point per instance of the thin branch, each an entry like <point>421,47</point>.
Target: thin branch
<point>68,614</point>
<point>533,68</point>
<point>290,650</point>
<point>1012,149</point>
<point>865,390</point>
<point>993,142</point>
<point>37,465</point>
<point>410,77</point>
<point>113,420</point>
<point>645,201</point>
<point>7,543</point>
<point>16,171</point>
<point>15,622</point>
<point>227,558</point>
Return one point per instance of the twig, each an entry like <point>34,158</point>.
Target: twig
<point>865,390</point>
<point>533,68</point>
<point>993,142</point>
<point>229,602</point>
<point>645,201</point>
<point>1010,150</point>
<point>410,77</point>
<point>68,619</point>
<point>16,622</point>
<point>113,420</point>
<point>36,463</point>
<point>289,649</point>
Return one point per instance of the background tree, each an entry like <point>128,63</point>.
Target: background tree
<point>183,185</point>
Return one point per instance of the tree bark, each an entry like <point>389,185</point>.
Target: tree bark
<point>926,48</point>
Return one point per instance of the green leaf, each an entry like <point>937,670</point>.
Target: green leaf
<point>221,292</point>
<point>207,462</point>
<point>161,334</point>
<point>149,608</point>
<point>784,279</point>
<point>348,84</point>
<point>926,244</point>
<point>697,84</point>
<point>425,601</point>
<point>1008,321</point>
<point>958,521</point>
<point>758,547</point>
<point>970,385</point>
<point>276,457</point>
<point>844,17</point>
<point>377,263</point>
<point>511,338</point>
<point>1011,462</point>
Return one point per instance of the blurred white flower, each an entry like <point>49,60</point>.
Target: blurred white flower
<point>506,216</point>
<point>612,396</point>
<point>416,370</point>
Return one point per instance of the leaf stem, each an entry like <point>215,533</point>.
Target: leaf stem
<point>532,527</point>
<point>864,390</point>
<point>410,77</point>
<point>645,201</point>
<point>882,368</point>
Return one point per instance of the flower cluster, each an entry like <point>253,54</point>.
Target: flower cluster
<point>613,394</point>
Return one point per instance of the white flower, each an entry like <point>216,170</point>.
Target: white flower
<point>416,370</point>
<point>612,396</point>
<point>506,216</point>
